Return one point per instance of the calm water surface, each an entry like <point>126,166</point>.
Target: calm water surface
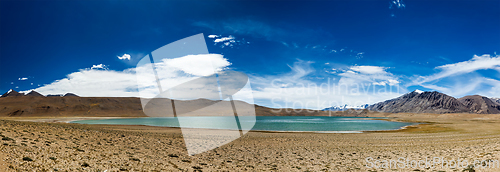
<point>264,123</point>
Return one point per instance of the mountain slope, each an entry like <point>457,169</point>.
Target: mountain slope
<point>480,104</point>
<point>70,106</point>
<point>421,102</point>
<point>34,94</point>
<point>29,106</point>
<point>12,93</point>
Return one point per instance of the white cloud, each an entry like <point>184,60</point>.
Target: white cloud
<point>22,79</point>
<point>224,39</point>
<point>99,66</point>
<point>125,56</point>
<point>95,83</point>
<point>393,81</point>
<point>397,4</point>
<point>495,90</point>
<point>197,64</point>
<point>229,41</point>
<point>212,36</point>
<point>111,83</point>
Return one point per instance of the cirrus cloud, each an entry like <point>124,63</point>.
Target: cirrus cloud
<point>463,78</point>
<point>369,69</point>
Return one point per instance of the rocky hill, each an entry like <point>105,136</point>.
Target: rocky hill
<point>34,94</point>
<point>12,93</point>
<point>17,105</point>
<point>421,102</point>
<point>480,104</point>
<point>31,106</point>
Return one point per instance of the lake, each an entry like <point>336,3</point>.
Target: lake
<point>265,123</point>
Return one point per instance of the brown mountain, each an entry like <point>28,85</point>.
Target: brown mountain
<point>70,106</point>
<point>26,106</point>
<point>54,95</point>
<point>33,93</point>
<point>12,93</point>
<point>480,104</point>
<point>421,102</point>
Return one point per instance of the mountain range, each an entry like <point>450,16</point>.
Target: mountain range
<point>436,102</point>
<point>33,93</point>
<point>345,107</point>
<point>33,104</point>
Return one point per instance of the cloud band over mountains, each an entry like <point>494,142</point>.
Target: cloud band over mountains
<point>299,88</point>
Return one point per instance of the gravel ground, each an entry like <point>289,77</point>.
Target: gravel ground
<point>39,146</point>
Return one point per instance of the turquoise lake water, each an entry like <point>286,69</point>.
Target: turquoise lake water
<point>264,123</point>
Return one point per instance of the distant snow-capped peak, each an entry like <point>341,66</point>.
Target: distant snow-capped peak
<point>345,107</point>
<point>26,92</point>
<point>496,100</point>
<point>418,91</point>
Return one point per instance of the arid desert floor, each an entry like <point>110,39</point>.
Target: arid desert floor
<point>57,146</point>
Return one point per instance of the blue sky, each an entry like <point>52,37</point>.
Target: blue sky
<point>447,46</point>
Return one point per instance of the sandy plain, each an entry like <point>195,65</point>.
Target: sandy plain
<point>54,145</point>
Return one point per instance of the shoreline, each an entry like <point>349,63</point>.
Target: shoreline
<point>59,119</point>
<point>72,119</point>
<point>69,146</point>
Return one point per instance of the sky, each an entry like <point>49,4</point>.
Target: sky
<point>299,54</point>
